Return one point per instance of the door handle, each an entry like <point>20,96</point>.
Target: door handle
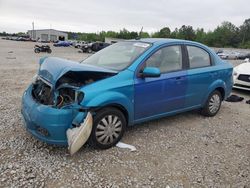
<point>179,78</point>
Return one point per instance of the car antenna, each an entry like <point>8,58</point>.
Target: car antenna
<point>139,37</point>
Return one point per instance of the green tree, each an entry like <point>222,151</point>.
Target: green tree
<point>226,35</point>
<point>144,35</point>
<point>186,32</point>
<point>245,32</point>
<point>156,34</point>
<point>165,33</point>
<point>200,35</point>
<point>174,34</point>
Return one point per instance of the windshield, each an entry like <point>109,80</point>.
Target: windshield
<point>117,56</point>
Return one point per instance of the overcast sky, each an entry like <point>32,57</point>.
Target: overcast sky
<point>98,15</point>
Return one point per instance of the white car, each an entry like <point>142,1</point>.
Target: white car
<point>79,44</point>
<point>241,76</point>
<point>229,55</point>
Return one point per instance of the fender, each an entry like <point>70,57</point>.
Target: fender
<point>216,84</point>
<point>112,98</point>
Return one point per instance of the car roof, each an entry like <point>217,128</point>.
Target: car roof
<point>154,40</point>
<point>166,40</point>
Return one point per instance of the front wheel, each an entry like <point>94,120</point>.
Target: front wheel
<point>213,104</point>
<point>108,128</point>
<point>37,50</point>
<point>49,51</point>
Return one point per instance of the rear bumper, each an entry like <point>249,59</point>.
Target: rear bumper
<point>46,123</point>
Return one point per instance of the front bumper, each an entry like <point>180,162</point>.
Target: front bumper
<point>239,84</point>
<point>46,123</point>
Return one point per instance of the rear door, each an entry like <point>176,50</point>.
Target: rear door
<point>201,74</point>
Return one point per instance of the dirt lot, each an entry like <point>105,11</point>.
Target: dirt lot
<point>187,150</point>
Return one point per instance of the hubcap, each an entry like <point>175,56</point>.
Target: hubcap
<point>108,129</point>
<point>214,103</point>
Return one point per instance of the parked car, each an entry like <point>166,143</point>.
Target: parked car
<point>94,47</point>
<point>122,85</point>
<point>21,39</point>
<point>62,44</point>
<point>229,55</point>
<point>13,38</point>
<point>244,56</point>
<point>79,44</point>
<point>241,75</point>
<point>42,48</point>
<point>219,51</point>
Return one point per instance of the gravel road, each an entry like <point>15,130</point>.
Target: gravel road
<point>186,150</point>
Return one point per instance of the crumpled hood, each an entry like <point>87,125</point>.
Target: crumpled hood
<point>243,68</point>
<point>53,68</point>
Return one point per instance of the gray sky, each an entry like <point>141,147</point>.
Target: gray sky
<point>98,15</point>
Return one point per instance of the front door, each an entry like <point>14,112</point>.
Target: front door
<point>158,96</point>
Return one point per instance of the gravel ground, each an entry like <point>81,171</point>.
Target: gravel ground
<point>186,150</point>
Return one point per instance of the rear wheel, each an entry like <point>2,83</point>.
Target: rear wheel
<point>108,128</point>
<point>89,50</point>
<point>37,50</point>
<point>213,104</point>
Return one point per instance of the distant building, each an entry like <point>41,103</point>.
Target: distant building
<point>47,35</point>
<point>113,40</point>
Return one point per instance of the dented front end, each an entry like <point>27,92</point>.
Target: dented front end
<point>47,123</point>
<point>51,104</point>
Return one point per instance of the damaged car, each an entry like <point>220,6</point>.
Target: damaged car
<point>127,83</point>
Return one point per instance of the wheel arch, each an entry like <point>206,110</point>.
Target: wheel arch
<point>219,85</point>
<point>222,92</point>
<point>113,99</point>
<point>118,107</point>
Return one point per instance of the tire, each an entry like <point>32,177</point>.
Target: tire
<point>212,105</point>
<point>49,51</point>
<point>105,135</point>
<point>37,50</point>
<point>89,50</point>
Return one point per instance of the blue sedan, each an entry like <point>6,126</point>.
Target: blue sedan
<point>122,85</point>
<point>62,44</point>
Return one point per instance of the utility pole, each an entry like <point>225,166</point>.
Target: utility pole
<point>49,32</point>
<point>33,31</point>
<point>141,31</point>
<point>139,37</point>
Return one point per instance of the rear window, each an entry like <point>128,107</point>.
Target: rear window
<point>198,57</point>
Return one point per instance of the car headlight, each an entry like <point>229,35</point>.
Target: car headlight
<point>80,96</point>
<point>235,72</point>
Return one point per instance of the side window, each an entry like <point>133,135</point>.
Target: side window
<point>198,57</point>
<point>166,59</point>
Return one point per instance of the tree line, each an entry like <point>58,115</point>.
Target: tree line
<point>224,35</point>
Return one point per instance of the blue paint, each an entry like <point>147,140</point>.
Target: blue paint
<point>143,99</point>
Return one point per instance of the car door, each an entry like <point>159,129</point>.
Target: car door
<point>201,74</point>
<point>164,94</point>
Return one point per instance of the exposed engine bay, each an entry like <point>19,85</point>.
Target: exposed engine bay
<point>65,91</point>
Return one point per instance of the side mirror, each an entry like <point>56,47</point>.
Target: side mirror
<point>151,72</point>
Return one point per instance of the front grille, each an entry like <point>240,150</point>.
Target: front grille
<point>244,77</point>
